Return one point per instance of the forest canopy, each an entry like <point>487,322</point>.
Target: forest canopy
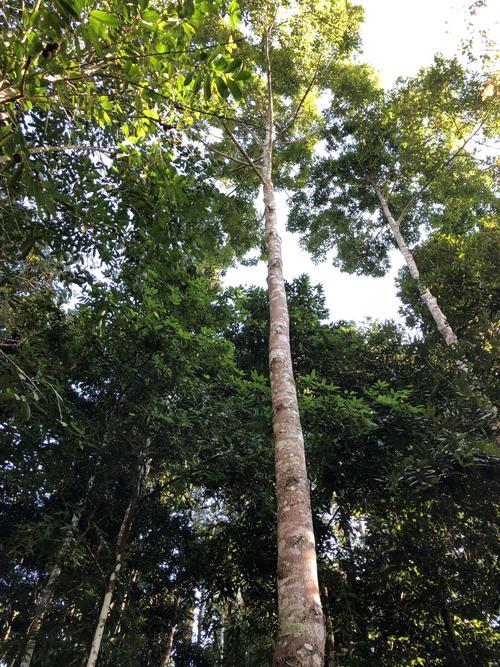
<point>202,474</point>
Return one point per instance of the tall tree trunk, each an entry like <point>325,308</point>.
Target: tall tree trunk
<point>221,638</point>
<point>5,639</point>
<point>123,605</point>
<point>170,645</point>
<point>43,601</point>
<point>121,546</point>
<point>456,649</point>
<point>449,336</point>
<point>301,628</point>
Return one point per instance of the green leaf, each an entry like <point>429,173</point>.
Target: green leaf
<point>222,88</point>
<point>197,83</point>
<point>244,75</point>
<point>106,18</point>
<point>106,104</point>
<point>235,90</point>
<point>188,30</point>
<point>221,64</point>
<point>94,36</point>
<point>25,408</point>
<point>187,9</point>
<point>66,8</point>
<point>207,87</point>
<point>234,14</point>
<point>152,16</point>
<point>233,65</point>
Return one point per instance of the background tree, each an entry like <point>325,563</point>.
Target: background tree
<point>397,164</point>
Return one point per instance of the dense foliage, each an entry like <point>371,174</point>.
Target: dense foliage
<point>137,459</point>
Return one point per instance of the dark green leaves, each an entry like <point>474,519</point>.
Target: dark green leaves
<point>222,88</point>
<point>67,8</point>
<point>235,90</point>
<point>105,17</point>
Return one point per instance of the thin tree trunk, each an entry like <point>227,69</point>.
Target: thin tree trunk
<point>490,411</point>
<point>118,625</point>
<point>6,636</point>
<point>121,546</point>
<point>222,629</point>
<point>199,623</point>
<point>450,630</point>
<point>45,597</point>
<point>350,572</point>
<point>330,634</point>
<point>301,627</point>
<point>449,336</point>
<point>170,645</point>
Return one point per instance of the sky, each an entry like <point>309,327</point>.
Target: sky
<point>399,37</point>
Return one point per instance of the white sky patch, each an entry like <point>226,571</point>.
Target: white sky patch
<point>399,37</point>
<point>348,297</point>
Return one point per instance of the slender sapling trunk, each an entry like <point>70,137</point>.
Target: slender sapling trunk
<point>170,645</point>
<point>121,546</point>
<point>45,597</point>
<point>449,336</point>
<point>452,637</point>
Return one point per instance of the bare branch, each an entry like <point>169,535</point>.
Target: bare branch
<point>224,155</point>
<point>243,151</point>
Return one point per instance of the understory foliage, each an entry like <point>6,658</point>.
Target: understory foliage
<point>135,413</point>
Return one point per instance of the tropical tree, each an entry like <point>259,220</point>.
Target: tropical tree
<point>396,459</point>
<point>148,415</point>
<point>280,112</point>
<point>397,165</point>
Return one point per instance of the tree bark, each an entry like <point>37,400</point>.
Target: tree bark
<point>45,597</point>
<point>199,623</point>
<point>301,628</point>
<point>170,645</point>
<point>121,546</point>
<point>489,411</point>
<point>449,336</point>
<point>456,649</point>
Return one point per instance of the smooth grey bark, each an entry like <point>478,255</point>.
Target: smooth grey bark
<point>121,546</point>
<point>123,605</point>
<point>490,411</point>
<point>199,622</point>
<point>5,638</point>
<point>449,336</point>
<point>45,596</point>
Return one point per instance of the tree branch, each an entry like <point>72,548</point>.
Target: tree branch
<point>224,155</point>
<point>303,98</point>
<point>437,169</point>
<point>243,151</point>
<point>59,149</point>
